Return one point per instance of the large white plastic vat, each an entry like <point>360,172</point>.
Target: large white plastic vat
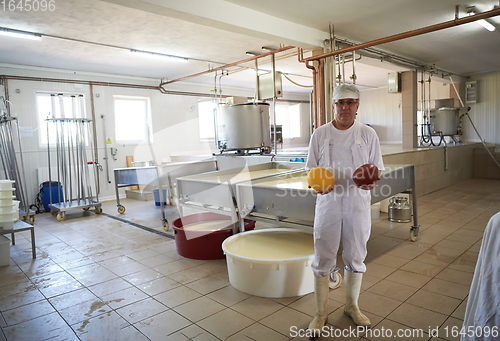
<point>271,262</point>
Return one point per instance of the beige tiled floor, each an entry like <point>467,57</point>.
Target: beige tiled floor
<point>97,278</point>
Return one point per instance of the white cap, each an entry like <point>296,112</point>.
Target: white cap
<point>345,91</point>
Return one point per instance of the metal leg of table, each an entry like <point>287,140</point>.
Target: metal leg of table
<point>20,226</point>
<point>414,230</point>
<point>33,246</point>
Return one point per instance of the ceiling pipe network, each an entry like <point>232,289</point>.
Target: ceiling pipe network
<point>318,72</point>
<point>428,29</point>
<point>229,65</point>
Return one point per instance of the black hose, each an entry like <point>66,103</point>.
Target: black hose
<point>424,137</point>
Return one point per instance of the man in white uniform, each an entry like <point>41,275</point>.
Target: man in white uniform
<point>343,213</point>
<point>482,314</point>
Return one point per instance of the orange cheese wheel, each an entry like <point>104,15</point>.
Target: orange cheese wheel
<point>320,179</point>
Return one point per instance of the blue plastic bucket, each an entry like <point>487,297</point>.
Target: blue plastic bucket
<point>51,194</point>
<point>156,194</point>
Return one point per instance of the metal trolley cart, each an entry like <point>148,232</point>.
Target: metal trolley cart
<point>287,200</point>
<point>78,176</point>
<point>215,191</point>
<point>162,177</point>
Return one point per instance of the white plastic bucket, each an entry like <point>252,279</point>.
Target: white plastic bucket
<point>7,225</point>
<point>7,201</point>
<point>277,265</point>
<point>6,184</point>
<point>9,217</point>
<point>9,209</point>
<point>6,193</point>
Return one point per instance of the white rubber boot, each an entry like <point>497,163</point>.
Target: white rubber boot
<point>352,281</point>
<point>321,292</point>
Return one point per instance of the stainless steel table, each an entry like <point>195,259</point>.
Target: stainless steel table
<point>285,198</point>
<point>161,177</point>
<point>215,191</point>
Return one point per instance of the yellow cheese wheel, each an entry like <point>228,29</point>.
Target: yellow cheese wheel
<point>320,179</point>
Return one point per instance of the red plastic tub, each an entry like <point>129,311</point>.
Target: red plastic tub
<point>203,244</point>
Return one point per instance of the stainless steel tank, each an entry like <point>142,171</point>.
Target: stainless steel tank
<point>445,121</point>
<point>243,126</point>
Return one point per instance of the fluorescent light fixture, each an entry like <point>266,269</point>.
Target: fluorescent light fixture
<point>20,34</point>
<point>486,25</point>
<point>471,10</point>
<point>166,56</point>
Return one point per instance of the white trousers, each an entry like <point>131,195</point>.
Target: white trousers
<point>341,217</point>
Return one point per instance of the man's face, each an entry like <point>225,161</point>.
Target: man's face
<point>345,111</point>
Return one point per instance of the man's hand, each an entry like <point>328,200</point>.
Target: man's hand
<point>368,187</point>
<point>325,192</point>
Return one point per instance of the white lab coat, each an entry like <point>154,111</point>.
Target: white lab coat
<point>482,313</point>
<point>343,214</point>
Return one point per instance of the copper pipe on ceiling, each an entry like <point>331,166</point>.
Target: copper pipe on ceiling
<point>409,34</point>
<point>5,79</point>
<point>300,57</point>
<point>318,94</point>
<point>314,99</point>
<point>76,81</point>
<point>229,65</point>
<point>321,93</point>
<point>110,84</point>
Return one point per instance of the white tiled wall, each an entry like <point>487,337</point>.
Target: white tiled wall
<point>438,167</point>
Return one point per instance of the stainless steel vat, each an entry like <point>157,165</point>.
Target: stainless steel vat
<point>243,126</point>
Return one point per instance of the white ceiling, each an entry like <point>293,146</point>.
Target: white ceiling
<point>95,35</point>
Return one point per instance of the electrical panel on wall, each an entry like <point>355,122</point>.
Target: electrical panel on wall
<point>471,92</point>
<point>266,86</point>
<point>394,82</point>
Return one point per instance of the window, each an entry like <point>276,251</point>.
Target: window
<point>58,106</point>
<point>288,116</point>
<point>207,119</point>
<point>132,119</point>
